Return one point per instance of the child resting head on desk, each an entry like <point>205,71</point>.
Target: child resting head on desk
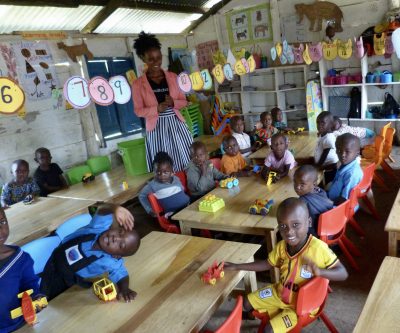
<point>48,176</point>
<point>280,159</point>
<point>233,163</point>
<point>167,187</point>
<point>16,276</point>
<point>299,257</point>
<point>93,250</point>
<point>20,187</point>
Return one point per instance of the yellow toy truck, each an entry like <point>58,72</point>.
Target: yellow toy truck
<point>229,182</point>
<point>261,207</point>
<point>105,290</point>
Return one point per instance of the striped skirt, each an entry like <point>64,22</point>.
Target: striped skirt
<point>171,136</point>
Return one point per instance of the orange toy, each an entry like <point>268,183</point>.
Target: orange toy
<point>213,273</point>
<point>28,307</point>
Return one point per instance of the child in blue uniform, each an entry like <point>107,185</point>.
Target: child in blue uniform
<point>166,187</point>
<point>305,185</point>
<point>299,257</point>
<point>93,250</point>
<point>21,185</point>
<point>48,176</point>
<point>16,276</point>
<point>349,173</point>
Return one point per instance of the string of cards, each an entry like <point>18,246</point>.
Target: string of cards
<point>80,93</point>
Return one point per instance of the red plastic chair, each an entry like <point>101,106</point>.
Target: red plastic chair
<point>312,295</point>
<point>234,321</point>
<point>182,177</point>
<point>162,220</point>
<point>332,228</point>
<point>216,161</point>
<point>365,186</point>
<point>353,203</point>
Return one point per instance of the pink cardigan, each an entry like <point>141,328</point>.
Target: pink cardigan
<point>145,101</point>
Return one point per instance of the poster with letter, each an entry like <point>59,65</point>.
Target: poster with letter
<point>247,26</point>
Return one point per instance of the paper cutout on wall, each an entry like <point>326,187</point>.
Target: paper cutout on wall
<point>218,73</point>
<point>278,48</point>
<point>228,72</point>
<point>76,92</point>
<point>359,46</point>
<point>315,51</point>
<point>100,91</point>
<point>298,54</point>
<point>204,52</point>
<point>306,56</point>
<point>379,44</point>
<point>330,50</point>
<point>207,80</point>
<point>184,82</point>
<point>12,97</point>
<point>121,88</point>
<point>35,68</point>
<point>197,81</point>
<point>345,49</point>
<point>10,63</point>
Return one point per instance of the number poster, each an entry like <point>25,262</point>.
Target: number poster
<point>249,26</point>
<point>35,68</point>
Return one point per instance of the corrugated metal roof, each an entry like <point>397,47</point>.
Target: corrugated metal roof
<point>131,21</point>
<point>181,3</point>
<point>23,18</point>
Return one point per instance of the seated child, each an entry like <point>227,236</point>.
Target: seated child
<point>93,250</point>
<point>242,138</point>
<point>305,184</point>
<point>299,257</point>
<point>233,163</point>
<point>48,175</point>
<point>350,173</point>
<point>264,129</point>
<point>365,135</point>
<point>166,187</point>
<point>325,156</point>
<point>21,185</point>
<point>280,159</point>
<point>277,117</point>
<point>16,276</point>
<point>201,173</point>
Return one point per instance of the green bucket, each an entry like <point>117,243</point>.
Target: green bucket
<point>133,154</point>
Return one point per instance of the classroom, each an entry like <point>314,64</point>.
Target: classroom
<point>199,166</point>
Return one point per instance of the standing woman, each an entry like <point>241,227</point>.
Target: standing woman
<point>157,98</point>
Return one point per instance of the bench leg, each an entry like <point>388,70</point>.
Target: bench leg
<point>392,243</point>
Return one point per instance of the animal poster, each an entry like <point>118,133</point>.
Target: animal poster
<point>35,68</point>
<point>204,52</point>
<point>249,25</point>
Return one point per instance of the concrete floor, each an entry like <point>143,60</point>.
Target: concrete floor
<point>347,300</point>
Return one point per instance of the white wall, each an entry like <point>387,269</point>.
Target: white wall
<point>69,134</point>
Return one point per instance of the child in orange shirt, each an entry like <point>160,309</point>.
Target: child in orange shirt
<point>233,163</point>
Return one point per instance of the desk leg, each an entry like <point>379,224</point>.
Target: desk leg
<point>270,239</point>
<point>184,229</point>
<point>393,243</point>
<point>250,281</point>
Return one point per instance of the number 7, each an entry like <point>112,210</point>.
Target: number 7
<point>83,90</point>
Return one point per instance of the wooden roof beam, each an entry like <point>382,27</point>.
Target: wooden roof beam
<point>54,3</point>
<point>101,16</point>
<point>162,7</point>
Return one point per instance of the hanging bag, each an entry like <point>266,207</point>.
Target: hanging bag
<point>390,108</point>
<point>256,52</point>
<point>355,104</point>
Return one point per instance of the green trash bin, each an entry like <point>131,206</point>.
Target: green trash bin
<point>133,154</point>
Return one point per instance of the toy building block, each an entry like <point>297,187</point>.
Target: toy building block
<point>105,290</point>
<point>214,273</point>
<point>87,177</point>
<point>28,307</point>
<point>257,169</point>
<point>229,182</point>
<point>271,177</point>
<point>124,186</point>
<point>261,207</point>
<point>300,129</point>
<point>211,204</point>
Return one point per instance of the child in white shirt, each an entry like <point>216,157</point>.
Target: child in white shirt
<point>242,138</point>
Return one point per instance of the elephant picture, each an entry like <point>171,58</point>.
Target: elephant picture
<point>260,30</point>
<point>318,11</point>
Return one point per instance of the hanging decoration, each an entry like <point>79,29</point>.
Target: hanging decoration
<point>345,49</point>
<point>315,51</point>
<point>298,54</point>
<point>330,50</point>
<point>359,47</point>
<point>306,56</point>
<point>379,44</point>
<point>12,97</point>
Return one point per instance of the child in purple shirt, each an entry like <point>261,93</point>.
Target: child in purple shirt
<point>280,159</point>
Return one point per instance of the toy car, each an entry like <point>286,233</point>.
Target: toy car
<point>271,177</point>
<point>28,199</point>
<point>28,307</point>
<point>261,207</point>
<point>229,182</point>
<point>124,186</point>
<point>87,177</point>
<point>105,290</point>
<point>214,272</point>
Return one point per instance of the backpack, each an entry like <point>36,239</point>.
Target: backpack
<point>390,107</point>
<point>355,103</point>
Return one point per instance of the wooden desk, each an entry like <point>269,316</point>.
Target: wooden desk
<point>165,272</point>
<point>212,142</point>
<point>106,187</point>
<point>393,226</point>
<point>44,215</point>
<point>234,217</point>
<point>303,145</point>
<point>382,308</point>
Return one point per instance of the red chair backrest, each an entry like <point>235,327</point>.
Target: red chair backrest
<point>233,322</point>
<point>353,201</point>
<point>367,178</point>
<point>379,144</point>
<point>387,147</point>
<point>216,162</point>
<point>182,177</point>
<point>333,221</point>
<point>157,209</point>
<point>312,295</point>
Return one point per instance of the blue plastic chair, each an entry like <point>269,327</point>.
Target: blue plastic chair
<point>40,250</point>
<point>73,224</point>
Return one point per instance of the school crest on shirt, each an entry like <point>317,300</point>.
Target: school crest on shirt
<point>265,293</point>
<point>73,254</point>
<point>304,273</point>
